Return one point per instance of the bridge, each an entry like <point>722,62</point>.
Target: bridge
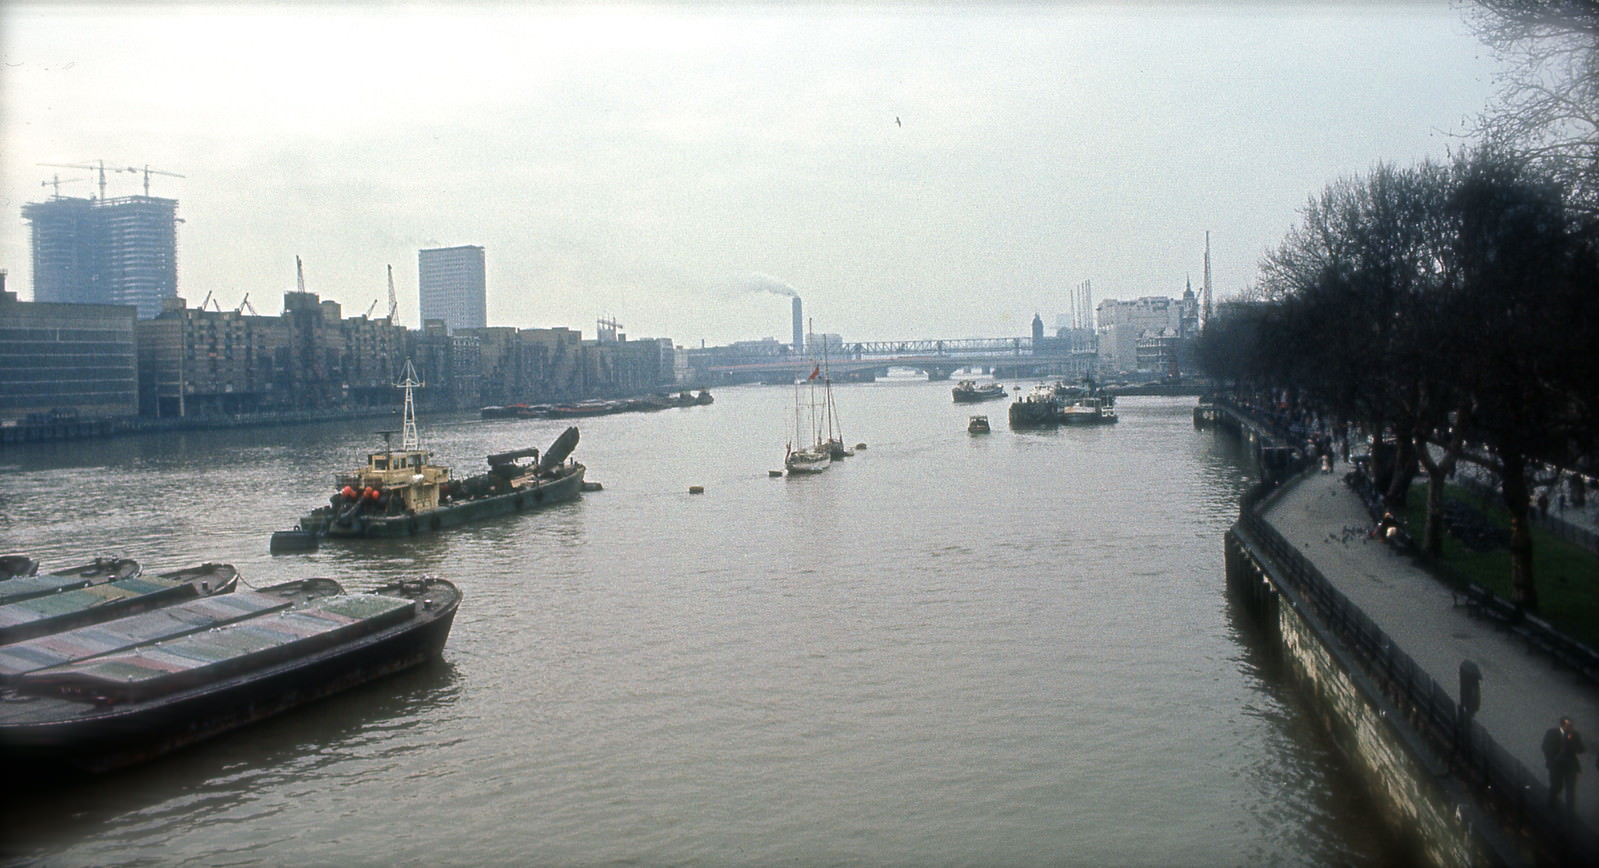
<point>938,359</point>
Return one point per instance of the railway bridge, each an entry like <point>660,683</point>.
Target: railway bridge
<point>938,359</point>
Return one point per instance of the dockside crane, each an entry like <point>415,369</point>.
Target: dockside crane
<point>369,308</point>
<point>245,305</point>
<point>394,305</point>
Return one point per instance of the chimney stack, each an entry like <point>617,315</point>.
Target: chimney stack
<point>799,327</point>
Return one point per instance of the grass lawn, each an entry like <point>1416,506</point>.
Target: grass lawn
<point>1567,576</point>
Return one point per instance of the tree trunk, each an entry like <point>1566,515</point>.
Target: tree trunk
<point>1432,536</point>
<point>1403,472</point>
<point>1523,590</point>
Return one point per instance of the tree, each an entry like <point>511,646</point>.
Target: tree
<point>1548,106</point>
<point>1356,281</point>
<point>1525,322</point>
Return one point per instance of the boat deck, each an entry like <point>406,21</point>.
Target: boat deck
<point>157,625</point>
<point>37,610</point>
<point>201,657</point>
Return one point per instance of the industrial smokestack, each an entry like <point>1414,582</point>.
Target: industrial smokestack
<point>799,327</point>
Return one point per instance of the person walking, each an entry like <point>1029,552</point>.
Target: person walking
<point>1561,745</point>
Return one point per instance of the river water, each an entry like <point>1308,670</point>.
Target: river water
<point>952,649</point>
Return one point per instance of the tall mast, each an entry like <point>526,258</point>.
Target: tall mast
<point>1204,313</point>
<point>408,437</point>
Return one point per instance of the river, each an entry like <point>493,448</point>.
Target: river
<point>951,649</point>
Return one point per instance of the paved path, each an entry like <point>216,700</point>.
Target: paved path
<point>1523,692</point>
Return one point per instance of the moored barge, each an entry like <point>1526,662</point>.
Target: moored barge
<point>124,707</point>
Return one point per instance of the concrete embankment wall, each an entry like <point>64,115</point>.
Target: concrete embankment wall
<point>1411,783</point>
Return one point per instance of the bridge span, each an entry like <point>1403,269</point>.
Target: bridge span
<point>938,359</point>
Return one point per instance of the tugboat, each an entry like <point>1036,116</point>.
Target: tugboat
<point>401,492</point>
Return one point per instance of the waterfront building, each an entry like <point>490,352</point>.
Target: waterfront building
<point>531,366</point>
<point>451,286</point>
<point>197,362</point>
<point>63,361</point>
<point>105,251</point>
<point>1122,325</point>
<point>450,366</point>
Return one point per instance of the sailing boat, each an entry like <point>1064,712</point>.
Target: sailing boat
<point>799,458</point>
<point>835,435</point>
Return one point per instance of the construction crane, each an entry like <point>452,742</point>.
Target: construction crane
<point>96,166</point>
<point>245,305</point>
<point>99,167</point>
<point>56,182</point>
<point>299,274</point>
<point>147,173</point>
<point>394,305</point>
<point>369,308</point>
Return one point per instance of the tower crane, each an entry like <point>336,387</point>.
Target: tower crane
<point>393,303</point>
<point>99,167</point>
<point>96,166</point>
<point>147,173</point>
<point>56,182</point>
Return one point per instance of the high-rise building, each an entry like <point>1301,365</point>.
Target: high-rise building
<point>105,251</point>
<point>451,286</point>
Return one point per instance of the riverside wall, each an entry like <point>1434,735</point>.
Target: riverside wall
<point>1412,783</point>
<point>1391,721</point>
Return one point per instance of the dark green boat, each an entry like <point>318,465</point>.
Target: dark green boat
<point>401,492</point>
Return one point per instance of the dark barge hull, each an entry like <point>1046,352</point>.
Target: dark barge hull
<point>118,735</point>
<point>526,499</point>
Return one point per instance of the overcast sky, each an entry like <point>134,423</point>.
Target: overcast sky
<point>911,171</point>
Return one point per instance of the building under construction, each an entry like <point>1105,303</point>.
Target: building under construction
<point>105,251</point>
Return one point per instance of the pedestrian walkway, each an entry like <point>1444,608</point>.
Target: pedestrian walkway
<point>1524,692</point>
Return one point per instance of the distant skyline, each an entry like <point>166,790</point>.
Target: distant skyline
<point>908,170</point>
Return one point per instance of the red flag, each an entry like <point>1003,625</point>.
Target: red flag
<point>815,373</point>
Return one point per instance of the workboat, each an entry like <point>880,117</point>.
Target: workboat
<point>126,706</point>
<point>1049,404</point>
<point>28,585</point>
<point>1089,410</point>
<point>977,425</point>
<point>401,492</point>
<point>93,604</point>
<point>968,392</point>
